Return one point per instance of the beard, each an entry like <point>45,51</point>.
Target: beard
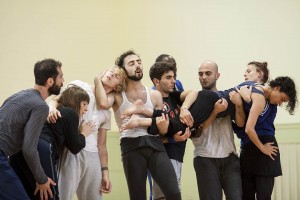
<point>135,78</point>
<point>54,89</point>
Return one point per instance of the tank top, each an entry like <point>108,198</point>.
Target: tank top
<point>134,132</point>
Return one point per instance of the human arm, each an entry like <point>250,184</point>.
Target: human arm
<point>139,108</point>
<point>32,130</point>
<point>177,137</point>
<point>185,115</point>
<point>75,138</point>
<point>103,100</point>
<point>220,106</point>
<point>240,116</point>
<point>53,112</point>
<point>258,104</point>
<point>103,156</point>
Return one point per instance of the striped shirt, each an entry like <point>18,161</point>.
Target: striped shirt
<point>22,117</point>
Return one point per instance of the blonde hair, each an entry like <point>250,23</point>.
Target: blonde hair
<point>121,72</point>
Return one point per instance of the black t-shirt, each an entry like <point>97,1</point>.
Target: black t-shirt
<point>172,105</point>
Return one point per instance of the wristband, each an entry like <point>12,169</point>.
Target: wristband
<point>171,140</point>
<point>104,168</point>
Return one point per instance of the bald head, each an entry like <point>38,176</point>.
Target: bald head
<point>208,75</point>
<point>209,64</point>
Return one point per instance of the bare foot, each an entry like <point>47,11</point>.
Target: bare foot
<point>136,108</point>
<point>133,122</point>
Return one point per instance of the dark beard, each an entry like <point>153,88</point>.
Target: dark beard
<point>135,78</point>
<point>54,89</point>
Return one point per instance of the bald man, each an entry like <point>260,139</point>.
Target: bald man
<point>216,162</point>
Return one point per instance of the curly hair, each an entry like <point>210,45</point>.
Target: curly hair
<point>287,86</point>
<point>120,60</point>
<point>159,68</point>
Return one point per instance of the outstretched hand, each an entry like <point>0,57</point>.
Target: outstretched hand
<point>44,189</point>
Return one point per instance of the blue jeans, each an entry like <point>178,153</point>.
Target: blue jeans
<point>11,187</point>
<point>217,174</point>
<point>48,162</point>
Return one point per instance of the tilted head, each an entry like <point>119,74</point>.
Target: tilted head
<point>115,79</point>
<point>208,75</point>
<point>132,65</point>
<point>49,71</point>
<point>283,89</point>
<point>76,98</point>
<point>257,71</point>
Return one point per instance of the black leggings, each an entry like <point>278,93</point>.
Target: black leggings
<point>200,111</point>
<point>138,161</point>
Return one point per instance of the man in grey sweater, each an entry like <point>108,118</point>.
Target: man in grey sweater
<point>22,117</point>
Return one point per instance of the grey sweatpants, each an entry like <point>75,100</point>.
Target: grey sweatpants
<point>80,174</point>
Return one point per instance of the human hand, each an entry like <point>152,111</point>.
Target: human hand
<point>53,115</point>
<point>179,137</point>
<point>162,123</point>
<point>44,189</point>
<point>270,150</point>
<point>106,185</point>
<point>87,128</point>
<point>220,106</point>
<point>235,98</point>
<point>98,78</point>
<point>245,92</point>
<point>186,117</point>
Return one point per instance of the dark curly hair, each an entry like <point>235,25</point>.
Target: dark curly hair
<point>159,68</point>
<point>287,85</point>
<point>120,60</point>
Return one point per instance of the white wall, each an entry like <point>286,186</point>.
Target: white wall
<point>87,36</point>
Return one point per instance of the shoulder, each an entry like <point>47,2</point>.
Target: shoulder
<point>68,113</point>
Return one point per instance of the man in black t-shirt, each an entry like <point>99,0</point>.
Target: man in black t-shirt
<point>163,76</point>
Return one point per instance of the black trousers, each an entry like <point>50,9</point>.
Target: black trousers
<point>138,161</point>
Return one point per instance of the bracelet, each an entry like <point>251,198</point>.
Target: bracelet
<point>104,168</point>
<point>171,140</point>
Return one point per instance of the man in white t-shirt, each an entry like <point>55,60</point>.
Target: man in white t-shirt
<point>216,163</point>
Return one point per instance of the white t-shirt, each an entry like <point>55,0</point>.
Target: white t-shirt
<point>102,118</point>
<point>216,141</point>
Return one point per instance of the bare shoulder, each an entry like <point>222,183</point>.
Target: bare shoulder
<point>155,94</point>
<point>156,99</point>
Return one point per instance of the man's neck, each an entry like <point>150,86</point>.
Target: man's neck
<point>134,86</point>
<point>42,90</point>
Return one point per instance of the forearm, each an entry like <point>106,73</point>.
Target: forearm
<point>189,99</point>
<point>209,120</point>
<point>101,96</point>
<point>254,138</point>
<point>240,116</point>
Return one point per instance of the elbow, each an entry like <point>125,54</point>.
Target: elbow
<point>248,130</point>
<point>240,124</point>
<point>77,149</point>
<point>103,106</point>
